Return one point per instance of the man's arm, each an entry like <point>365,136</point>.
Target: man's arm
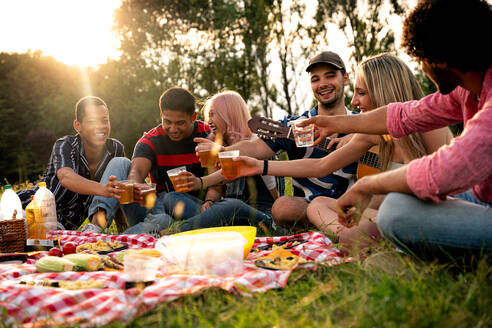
<point>356,199</point>
<point>373,122</point>
<point>80,185</point>
<point>139,169</point>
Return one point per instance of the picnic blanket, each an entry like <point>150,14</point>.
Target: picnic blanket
<point>36,305</point>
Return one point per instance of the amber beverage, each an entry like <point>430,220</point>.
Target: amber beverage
<point>127,196</point>
<point>208,158</point>
<point>173,174</point>
<point>230,168</point>
<point>149,195</point>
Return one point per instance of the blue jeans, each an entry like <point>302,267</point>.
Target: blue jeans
<point>139,218</point>
<point>225,212</point>
<point>448,230</point>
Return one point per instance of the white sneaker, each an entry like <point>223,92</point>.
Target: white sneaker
<point>91,228</point>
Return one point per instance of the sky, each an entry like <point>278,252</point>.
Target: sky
<point>74,32</point>
<point>79,32</point>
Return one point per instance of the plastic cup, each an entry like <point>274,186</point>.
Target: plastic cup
<point>208,158</point>
<point>173,174</point>
<point>304,136</point>
<point>149,195</point>
<point>139,267</point>
<point>230,168</point>
<point>127,196</point>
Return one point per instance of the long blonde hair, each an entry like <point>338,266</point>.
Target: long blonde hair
<point>231,115</point>
<point>389,79</point>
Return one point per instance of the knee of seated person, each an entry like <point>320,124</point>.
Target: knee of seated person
<point>119,162</point>
<point>288,209</point>
<point>394,213</point>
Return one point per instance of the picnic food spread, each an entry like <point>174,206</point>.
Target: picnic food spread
<point>63,290</point>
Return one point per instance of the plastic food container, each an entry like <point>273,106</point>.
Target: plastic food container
<point>138,267</point>
<point>215,253</point>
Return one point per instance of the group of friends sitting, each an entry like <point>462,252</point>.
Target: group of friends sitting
<point>432,197</point>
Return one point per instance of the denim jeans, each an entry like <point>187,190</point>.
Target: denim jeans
<point>140,219</point>
<point>225,212</point>
<point>448,230</point>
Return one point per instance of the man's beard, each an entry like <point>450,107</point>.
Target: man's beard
<point>445,80</point>
<point>332,103</point>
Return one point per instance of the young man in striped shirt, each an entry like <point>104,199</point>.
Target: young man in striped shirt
<point>167,146</point>
<point>77,163</point>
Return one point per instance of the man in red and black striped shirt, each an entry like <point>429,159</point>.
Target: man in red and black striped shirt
<point>167,146</point>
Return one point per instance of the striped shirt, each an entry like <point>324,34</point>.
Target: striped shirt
<point>166,154</point>
<point>68,151</point>
<point>333,185</point>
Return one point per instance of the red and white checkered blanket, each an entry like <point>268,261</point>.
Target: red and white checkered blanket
<point>31,305</point>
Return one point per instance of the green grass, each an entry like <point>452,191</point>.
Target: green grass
<point>347,295</point>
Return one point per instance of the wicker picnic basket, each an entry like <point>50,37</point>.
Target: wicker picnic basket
<point>12,235</point>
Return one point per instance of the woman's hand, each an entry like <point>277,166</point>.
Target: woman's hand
<point>340,142</point>
<point>249,166</point>
<point>189,181</point>
<point>206,144</point>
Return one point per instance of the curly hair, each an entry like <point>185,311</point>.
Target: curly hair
<point>454,32</point>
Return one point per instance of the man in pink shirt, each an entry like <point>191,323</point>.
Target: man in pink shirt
<point>438,205</point>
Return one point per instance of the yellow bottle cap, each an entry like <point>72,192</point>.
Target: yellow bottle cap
<point>42,184</point>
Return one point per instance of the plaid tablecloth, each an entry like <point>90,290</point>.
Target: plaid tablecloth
<point>33,305</point>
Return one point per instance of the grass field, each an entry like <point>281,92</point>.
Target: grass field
<point>398,292</point>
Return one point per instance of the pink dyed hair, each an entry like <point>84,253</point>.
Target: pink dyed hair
<point>231,116</point>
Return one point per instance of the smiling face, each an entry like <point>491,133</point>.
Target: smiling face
<point>327,83</point>
<point>94,128</point>
<point>177,125</point>
<point>361,97</point>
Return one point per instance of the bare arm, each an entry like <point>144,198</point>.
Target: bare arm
<point>434,139</point>
<point>373,122</point>
<point>356,199</point>
<point>139,169</point>
<point>254,148</point>
<point>314,167</point>
<point>80,185</point>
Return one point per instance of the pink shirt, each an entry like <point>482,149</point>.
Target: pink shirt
<point>465,163</point>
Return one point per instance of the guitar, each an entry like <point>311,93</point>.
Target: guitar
<point>264,127</point>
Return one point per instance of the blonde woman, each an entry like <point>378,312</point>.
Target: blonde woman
<point>246,200</point>
<point>380,80</point>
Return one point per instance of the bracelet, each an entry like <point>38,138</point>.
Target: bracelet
<point>265,167</point>
<point>201,183</point>
<point>209,200</point>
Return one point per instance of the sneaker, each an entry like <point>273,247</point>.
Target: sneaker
<point>91,228</point>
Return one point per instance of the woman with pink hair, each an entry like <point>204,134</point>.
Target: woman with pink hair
<point>246,200</point>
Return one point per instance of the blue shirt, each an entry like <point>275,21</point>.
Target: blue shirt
<point>333,185</point>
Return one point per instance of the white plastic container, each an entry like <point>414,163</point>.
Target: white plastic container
<point>215,253</point>
<point>10,202</point>
<point>47,207</point>
<point>141,268</point>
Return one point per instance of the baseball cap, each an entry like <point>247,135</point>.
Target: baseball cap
<point>326,57</point>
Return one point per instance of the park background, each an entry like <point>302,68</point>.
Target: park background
<point>127,52</point>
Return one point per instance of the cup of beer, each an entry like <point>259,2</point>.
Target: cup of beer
<point>127,195</point>
<point>208,158</point>
<point>173,174</point>
<point>304,136</point>
<point>149,195</point>
<point>230,168</point>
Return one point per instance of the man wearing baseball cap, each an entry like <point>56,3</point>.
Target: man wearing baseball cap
<point>328,80</point>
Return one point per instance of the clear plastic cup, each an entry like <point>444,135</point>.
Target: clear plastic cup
<point>304,136</point>
<point>127,196</point>
<point>149,194</point>
<point>173,174</point>
<point>138,267</point>
<point>230,168</point>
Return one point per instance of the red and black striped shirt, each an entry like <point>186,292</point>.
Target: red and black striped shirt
<point>166,154</point>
